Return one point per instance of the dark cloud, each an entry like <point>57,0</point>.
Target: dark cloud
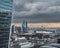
<point>51,17</point>
<point>37,10</point>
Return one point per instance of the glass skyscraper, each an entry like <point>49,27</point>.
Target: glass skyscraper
<point>5,22</point>
<point>24,26</point>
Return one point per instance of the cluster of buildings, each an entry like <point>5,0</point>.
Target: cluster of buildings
<point>6,30</point>
<point>37,35</point>
<point>42,33</point>
<point>23,28</point>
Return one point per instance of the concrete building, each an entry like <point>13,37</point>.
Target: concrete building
<point>5,22</point>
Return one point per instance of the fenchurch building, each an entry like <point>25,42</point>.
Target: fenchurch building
<point>5,22</point>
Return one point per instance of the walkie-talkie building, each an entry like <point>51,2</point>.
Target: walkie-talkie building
<point>5,22</point>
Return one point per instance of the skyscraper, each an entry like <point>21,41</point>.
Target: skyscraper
<point>24,26</point>
<point>5,22</point>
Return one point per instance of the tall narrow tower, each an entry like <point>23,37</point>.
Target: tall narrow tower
<point>24,26</point>
<point>5,22</point>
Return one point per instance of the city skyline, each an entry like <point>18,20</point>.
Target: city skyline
<point>47,25</point>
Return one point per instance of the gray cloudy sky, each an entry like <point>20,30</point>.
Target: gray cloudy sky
<point>36,11</point>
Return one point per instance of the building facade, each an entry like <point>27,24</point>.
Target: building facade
<point>5,22</point>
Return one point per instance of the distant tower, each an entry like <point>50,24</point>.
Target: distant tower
<point>24,26</point>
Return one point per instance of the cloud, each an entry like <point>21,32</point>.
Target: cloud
<point>26,8</point>
<point>32,8</point>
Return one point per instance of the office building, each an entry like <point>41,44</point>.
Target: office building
<point>5,22</point>
<point>24,26</point>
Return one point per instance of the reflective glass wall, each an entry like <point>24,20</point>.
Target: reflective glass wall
<point>5,21</point>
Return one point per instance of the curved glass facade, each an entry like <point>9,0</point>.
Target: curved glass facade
<point>6,4</point>
<point>24,26</point>
<point>5,22</point>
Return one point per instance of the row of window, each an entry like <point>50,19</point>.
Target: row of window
<point>5,17</point>
<point>4,44</point>
<point>6,4</point>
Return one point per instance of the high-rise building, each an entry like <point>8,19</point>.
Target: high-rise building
<point>24,26</point>
<point>5,22</point>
